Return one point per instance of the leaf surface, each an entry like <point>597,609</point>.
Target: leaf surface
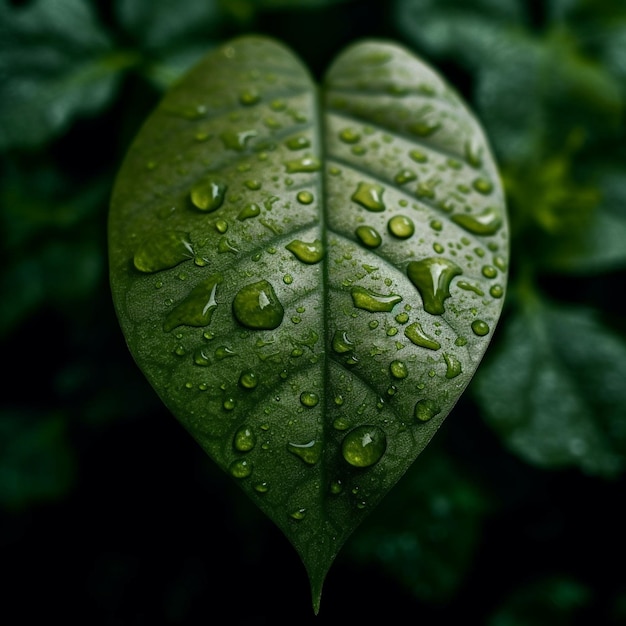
<point>309,277</point>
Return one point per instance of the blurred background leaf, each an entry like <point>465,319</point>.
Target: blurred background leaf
<point>108,511</point>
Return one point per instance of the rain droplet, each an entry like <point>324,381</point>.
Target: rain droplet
<point>349,135</point>
<point>244,439</point>
<point>208,195</point>
<point>309,399</point>
<point>418,157</point>
<point>240,468</point>
<point>480,328</point>
<point>248,380</point>
<point>496,291</point>
<point>305,164</point>
<point>309,452</point>
<point>257,306</point>
<point>298,514</point>
<point>310,253</point>
<point>236,140</point>
<point>250,210</point>
<point>163,251</point>
<point>405,176</point>
<point>368,236</point>
<point>369,196</point>
<point>432,277</point>
<point>297,143</point>
<point>341,343</point>
<point>482,185</point>
<point>374,302</point>
<point>489,271</point>
<point>426,410</point>
<point>304,197</point>
<point>401,226</point>
<point>486,223</point>
<point>398,369</point>
<point>364,445</point>
<point>453,366</point>
<point>197,308</point>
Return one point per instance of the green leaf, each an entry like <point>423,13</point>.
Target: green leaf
<point>554,390</point>
<point>56,63</point>
<point>309,278</point>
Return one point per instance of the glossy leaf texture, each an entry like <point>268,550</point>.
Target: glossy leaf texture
<point>310,276</point>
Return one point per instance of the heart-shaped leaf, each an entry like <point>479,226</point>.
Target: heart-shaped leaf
<point>309,278</point>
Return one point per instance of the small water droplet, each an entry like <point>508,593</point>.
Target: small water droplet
<point>250,210</point>
<point>364,446</point>
<point>401,226</point>
<point>482,185</point>
<point>309,399</point>
<point>426,409</point>
<point>244,439</point>
<point>432,277</point>
<point>496,291</point>
<point>309,452</point>
<point>240,468</point>
<point>262,487</point>
<point>208,194</point>
<point>304,197</point>
<point>424,128</point>
<point>257,306</point>
<point>253,184</point>
<point>305,164</point>
<point>398,369</point>
<point>453,366</point>
<point>405,176</point>
<point>489,271</point>
<point>349,135</point>
<point>369,196</point>
<point>480,328</point>
<point>341,343</point>
<point>486,223</point>
<point>418,157</point>
<point>306,252</point>
<point>163,251</point>
<point>197,308</point>
<point>298,142</point>
<point>416,334</point>
<point>223,352</point>
<point>374,302</point>
<point>237,140</point>
<point>368,236</point>
<point>298,514</point>
<point>248,380</point>
<point>249,97</point>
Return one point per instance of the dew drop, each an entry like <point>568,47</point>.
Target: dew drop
<point>374,302</point>
<point>405,176</point>
<point>309,452</point>
<point>309,399</point>
<point>250,210</point>
<point>223,352</point>
<point>237,140</point>
<point>163,251</point>
<point>418,157</point>
<point>248,380</point>
<point>304,197</point>
<point>349,135</point>
<point>401,226</point>
<point>496,291</point>
<point>197,308</point>
<point>364,446</point>
<point>244,439</point>
<point>480,328</point>
<point>341,344</point>
<point>310,253</point>
<point>426,410</point>
<point>240,468</point>
<point>432,277</point>
<point>398,369</point>
<point>305,164</point>
<point>208,195</point>
<point>298,514</point>
<point>369,196</point>
<point>298,142</point>
<point>257,306</point>
<point>486,223</point>
<point>482,185</point>
<point>368,236</point>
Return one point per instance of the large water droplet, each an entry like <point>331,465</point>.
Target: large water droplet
<point>401,226</point>
<point>374,302</point>
<point>398,369</point>
<point>368,236</point>
<point>197,308</point>
<point>208,194</point>
<point>369,196</point>
<point>163,251</point>
<point>364,446</point>
<point>453,366</point>
<point>312,252</point>
<point>426,410</point>
<point>309,452</point>
<point>480,328</point>
<point>432,277</point>
<point>486,223</point>
<point>257,306</point>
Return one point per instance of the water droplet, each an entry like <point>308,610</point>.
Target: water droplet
<point>249,97</point>
<point>197,308</point>
<point>482,185</point>
<point>426,410</point>
<point>208,195</point>
<point>201,358</point>
<point>298,514</point>
<point>236,140</point>
<point>250,210</point>
<point>221,226</point>
<point>398,369</point>
<point>253,184</point>
<point>312,252</point>
<point>486,223</point>
<point>341,343</point>
<point>248,380</point>
<point>257,306</point>
<point>369,196</point>
<point>262,487</point>
<point>336,487</point>
<point>244,439</point>
<point>432,277</point>
<point>304,197</point>
<point>309,399</point>
<point>368,236</point>
<point>240,468</point>
<point>424,128</point>
<point>401,226</point>
<point>496,291</point>
<point>305,164</point>
<point>298,142</point>
<point>163,251</point>
<point>418,157</point>
<point>405,176</point>
<point>374,302</point>
<point>453,366</point>
<point>364,445</point>
<point>309,452</point>
<point>480,328</point>
<point>226,245</point>
<point>489,271</point>
<point>349,135</point>
<point>223,352</point>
